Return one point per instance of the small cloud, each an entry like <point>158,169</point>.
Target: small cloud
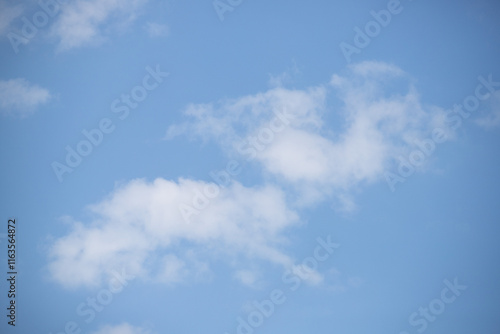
<point>82,23</point>
<point>157,29</point>
<point>175,130</point>
<point>345,204</point>
<point>20,97</point>
<point>123,328</point>
<point>174,270</point>
<point>374,68</point>
<point>247,277</point>
<point>307,274</point>
<point>492,119</point>
<point>337,283</point>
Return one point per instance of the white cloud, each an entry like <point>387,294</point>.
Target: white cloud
<point>7,15</point>
<point>88,22</point>
<point>230,120</point>
<point>249,278</point>
<point>375,69</point>
<point>173,269</point>
<point>20,97</point>
<point>139,227</point>
<point>380,117</point>
<point>124,328</point>
<point>157,29</point>
<point>492,120</point>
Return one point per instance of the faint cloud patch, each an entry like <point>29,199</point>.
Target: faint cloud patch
<point>18,96</point>
<point>248,278</point>
<point>334,281</point>
<point>157,29</point>
<point>123,328</point>
<point>492,119</point>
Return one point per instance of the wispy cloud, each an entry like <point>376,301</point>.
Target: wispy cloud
<point>89,22</point>
<point>140,227</point>
<point>18,96</point>
<point>250,278</point>
<point>379,117</point>
<point>157,29</point>
<point>123,328</point>
<point>285,77</point>
<point>336,282</point>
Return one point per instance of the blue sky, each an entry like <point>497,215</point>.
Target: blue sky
<point>251,166</point>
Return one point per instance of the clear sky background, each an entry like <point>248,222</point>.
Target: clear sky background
<point>252,167</point>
